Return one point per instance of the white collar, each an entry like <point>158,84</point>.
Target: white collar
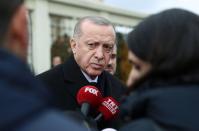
<point>88,77</point>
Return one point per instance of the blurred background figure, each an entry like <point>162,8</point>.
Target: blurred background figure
<point>123,66</point>
<point>164,52</point>
<point>56,60</point>
<point>60,50</point>
<point>112,64</point>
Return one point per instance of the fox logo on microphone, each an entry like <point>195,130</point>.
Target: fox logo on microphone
<point>110,105</point>
<point>91,90</point>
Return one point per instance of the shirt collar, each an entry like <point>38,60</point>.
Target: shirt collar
<point>88,77</point>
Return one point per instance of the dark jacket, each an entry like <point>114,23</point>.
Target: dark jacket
<point>24,102</point>
<point>66,79</point>
<point>169,105</point>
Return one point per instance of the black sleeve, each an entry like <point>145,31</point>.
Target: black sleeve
<point>133,106</point>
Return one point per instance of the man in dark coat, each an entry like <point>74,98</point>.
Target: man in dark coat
<point>69,79</point>
<point>24,102</point>
<point>92,45</point>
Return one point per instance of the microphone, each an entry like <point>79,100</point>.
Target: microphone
<point>108,109</point>
<point>88,96</point>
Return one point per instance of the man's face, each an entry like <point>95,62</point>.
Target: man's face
<point>94,47</point>
<point>111,67</point>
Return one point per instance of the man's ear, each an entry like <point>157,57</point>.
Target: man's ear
<point>73,45</point>
<point>18,33</point>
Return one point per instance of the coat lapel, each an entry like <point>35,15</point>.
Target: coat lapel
<point>73,76</point>
<point>104,85</point>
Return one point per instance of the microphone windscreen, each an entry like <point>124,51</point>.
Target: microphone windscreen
<point>109,108</point>
<point>89,94</point>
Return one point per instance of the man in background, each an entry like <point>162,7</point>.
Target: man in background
<point>56,60</point>
<point>112,64</point>
<point>60,50</point>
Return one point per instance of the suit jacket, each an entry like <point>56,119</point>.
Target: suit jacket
<point>66,79</point>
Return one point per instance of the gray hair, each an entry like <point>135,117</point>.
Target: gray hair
<point>94,19</point>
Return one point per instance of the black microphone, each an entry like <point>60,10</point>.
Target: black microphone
<point>82,121</point>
